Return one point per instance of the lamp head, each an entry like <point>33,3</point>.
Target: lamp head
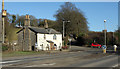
<point>104,20</point>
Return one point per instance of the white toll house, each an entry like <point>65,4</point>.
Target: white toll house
<point>49,40</point>
<point>115,48</point>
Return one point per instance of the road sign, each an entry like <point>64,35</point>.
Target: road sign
<point>36,44</point>
<point>104,46</point>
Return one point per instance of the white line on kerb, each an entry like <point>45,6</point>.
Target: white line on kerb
<point>11,61</point>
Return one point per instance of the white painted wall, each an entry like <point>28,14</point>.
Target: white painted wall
<point>41,41</point>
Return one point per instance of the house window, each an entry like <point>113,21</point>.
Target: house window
<point>55,45</point>
<point>54,37</point>
<point>60,44</point>
<point>44,36</point>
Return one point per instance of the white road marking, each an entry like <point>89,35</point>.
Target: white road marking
<point>7,65</point>
<point>115,65</point>
<point>11,61</point>
<point>41,65</point>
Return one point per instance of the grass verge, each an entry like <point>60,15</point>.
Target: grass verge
<point>21,53</point>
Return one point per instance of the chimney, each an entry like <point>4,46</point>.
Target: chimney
<point>46,24</point>
<point>27,20</point>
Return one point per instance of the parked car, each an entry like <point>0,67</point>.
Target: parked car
<point>95,45</point>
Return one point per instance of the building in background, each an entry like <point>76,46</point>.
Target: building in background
<point>35,38</point>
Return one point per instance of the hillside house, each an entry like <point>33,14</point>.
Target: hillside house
<point>35,38</point>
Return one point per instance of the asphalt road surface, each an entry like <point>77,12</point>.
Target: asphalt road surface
<point>77,57</point>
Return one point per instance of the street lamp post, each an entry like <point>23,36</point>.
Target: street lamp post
<point>105,31</point>
<point>64,28</point>
<point>3,15</point>
<point>104,47</point>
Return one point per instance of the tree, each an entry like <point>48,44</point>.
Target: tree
<point>21,19</point>
<point>33,21</point>
<point>51,23</point>
<point>78,23</point>
<point>13,18</point>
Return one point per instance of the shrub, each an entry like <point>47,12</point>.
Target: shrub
<point>4,48</point>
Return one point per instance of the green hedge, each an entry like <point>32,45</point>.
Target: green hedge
<point>4,48</point>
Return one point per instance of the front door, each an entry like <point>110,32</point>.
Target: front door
<point>33,48</point>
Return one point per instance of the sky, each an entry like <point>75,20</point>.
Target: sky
<point>95,12</point>
<point>61,0</point>
<point>119,15</point>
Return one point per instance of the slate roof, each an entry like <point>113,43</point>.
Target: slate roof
<point>49,41</point>
<point>42,30</point>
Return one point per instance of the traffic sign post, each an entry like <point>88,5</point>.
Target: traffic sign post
<point>104,48</point>
<point>36,45</point>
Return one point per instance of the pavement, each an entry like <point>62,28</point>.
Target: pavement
<point>76,57</point>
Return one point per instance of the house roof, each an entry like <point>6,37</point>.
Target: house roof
<point>42,30</point>
<point>49,41</point>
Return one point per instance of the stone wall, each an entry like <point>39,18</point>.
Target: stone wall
<point>26,40</point>
<point>20,41</point>
<point>33,39</point>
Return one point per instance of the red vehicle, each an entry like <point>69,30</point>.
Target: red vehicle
<point>95,45</point>
<point>64,47</point>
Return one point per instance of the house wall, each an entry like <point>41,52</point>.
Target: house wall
<point>20,42</point>
<point>41,41</point>
<point>33,39</point>
<point>26,39</point>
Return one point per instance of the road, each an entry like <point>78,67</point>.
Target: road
<point>77,57</point>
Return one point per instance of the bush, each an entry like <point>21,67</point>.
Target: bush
<point>4,48</point>
<point>80,40</point>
